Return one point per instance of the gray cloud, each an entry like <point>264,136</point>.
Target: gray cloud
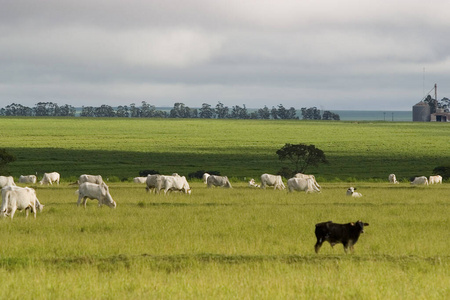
<point>335,54</point>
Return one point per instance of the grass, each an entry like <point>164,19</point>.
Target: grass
<point>221,243</point>
<point>238,243</point>
<point>237,148</point>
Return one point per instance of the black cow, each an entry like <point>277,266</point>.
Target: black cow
<point>347,234</point>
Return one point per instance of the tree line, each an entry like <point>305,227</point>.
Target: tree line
<point>179,110</point>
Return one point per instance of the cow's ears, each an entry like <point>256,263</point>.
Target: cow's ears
<point>353,224</point>
<point>366,224</point>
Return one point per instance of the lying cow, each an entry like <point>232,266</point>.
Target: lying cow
<point>346,234</point>
<point>6,180</point>
<point>175,183</point>
<point>95,191</point>
<point>435,179</point>
<point>27,179</point>
<point>272,180</point>
<point>302,184</point>
<point>19,198</point>
<point>49,178</point>
<point>393,179</point>
<point>421,180</point>
<point>351,192</point>
<point>139,179</point>
<point>214,180</point>
<point>252,183</point>
<point>97,179</point>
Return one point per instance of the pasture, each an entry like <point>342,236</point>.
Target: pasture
<point>240,243</point>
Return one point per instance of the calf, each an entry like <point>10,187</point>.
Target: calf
<point>346,234</point>
<point>351,192</point>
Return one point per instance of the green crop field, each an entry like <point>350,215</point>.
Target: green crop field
<point>236,148</point>
<point>240,243</point>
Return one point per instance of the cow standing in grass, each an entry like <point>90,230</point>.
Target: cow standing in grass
<point>345,234</point>
<point>95,191</point>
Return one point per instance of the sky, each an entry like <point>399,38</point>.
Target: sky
<point>334,55</point>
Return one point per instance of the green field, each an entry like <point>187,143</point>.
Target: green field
<point>239,243</point>
<point>237,148</point>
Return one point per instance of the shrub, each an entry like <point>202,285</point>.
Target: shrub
<point>199,174</point>
<point>444,171</point>
<point>145,173</point>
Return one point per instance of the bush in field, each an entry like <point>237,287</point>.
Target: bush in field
<point>199,174</point>
<point>444,171</point>
<point>301,156</point>
<point>145,173</point>
<point>286,172</point>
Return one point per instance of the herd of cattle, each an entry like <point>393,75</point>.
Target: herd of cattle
<point>93,187</point>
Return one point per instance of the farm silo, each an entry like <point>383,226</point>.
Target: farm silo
<point>421,112</point>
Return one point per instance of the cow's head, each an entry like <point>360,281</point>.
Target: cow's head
<point>106,196</point>
<point>360,225</point>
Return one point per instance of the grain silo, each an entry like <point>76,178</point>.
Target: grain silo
<point>421,112</point>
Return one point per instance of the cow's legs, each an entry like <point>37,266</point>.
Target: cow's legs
<point>318,245</point>
<point>13,211</point>
<point>79,199</point>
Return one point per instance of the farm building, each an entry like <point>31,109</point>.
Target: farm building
<point>431,110</point>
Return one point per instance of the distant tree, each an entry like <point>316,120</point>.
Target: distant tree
<point>180,110</point>
<point>147,110</point>
<point>122,112</point>
<point>87,111</point>
<point>328,115</point>
<point>206,112</point>
<point>301,156</point>
<point>311,113</point>
<point>221,111</point>
<point>264,113</point>
<point>66,111</point>
<point>5,159</point>
<point>238,112</point>
<point>17,110</point>
<point>274,113</point>
<point>104,111</point>
<point>135,112</point>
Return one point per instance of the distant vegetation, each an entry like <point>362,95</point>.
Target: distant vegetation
<point>179,110</point>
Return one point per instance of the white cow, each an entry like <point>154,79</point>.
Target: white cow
<point>176,183</point>
<point>435,179</point>
<point>351,192</point>
<point>272,180</point>
<point>154,182</point>
<point>27,179</point>
<point>95,191</point>
<point>6,180</point>
<point>214,180</point>
<point>302,184</point>
<point>90,178</point>
<point>304,176</point>
<point>252,183</point>
<point>421,180</point>
<point>205,178</point>
<point>393,179</point>
<point>139,179</point>
<point>49,178</point>
<point>19,198</point>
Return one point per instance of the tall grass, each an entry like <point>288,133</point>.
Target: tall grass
<point>222,243</point>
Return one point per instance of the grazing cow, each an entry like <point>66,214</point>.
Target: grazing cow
<point>272,180</point>
<point>205,178</point>
<point>252,183</point>
<point>302,184</point>
<point>6,180</point>
<point>351,192</point>
<point>214,180</point>
<point>421,180</point>
<point>435,179</point>
<point>97,179</point>
<point>27,179</point>
<point>95,191</point>
<point>176,183</point>
<point>154,182</point>
<point>19,198</point>
<point>140,179</point>
<point>300,175</point>
<point>393,179</point>
<point>346,234</point>
<point>49,178</point>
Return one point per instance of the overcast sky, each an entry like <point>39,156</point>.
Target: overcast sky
<point>360,55</point>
